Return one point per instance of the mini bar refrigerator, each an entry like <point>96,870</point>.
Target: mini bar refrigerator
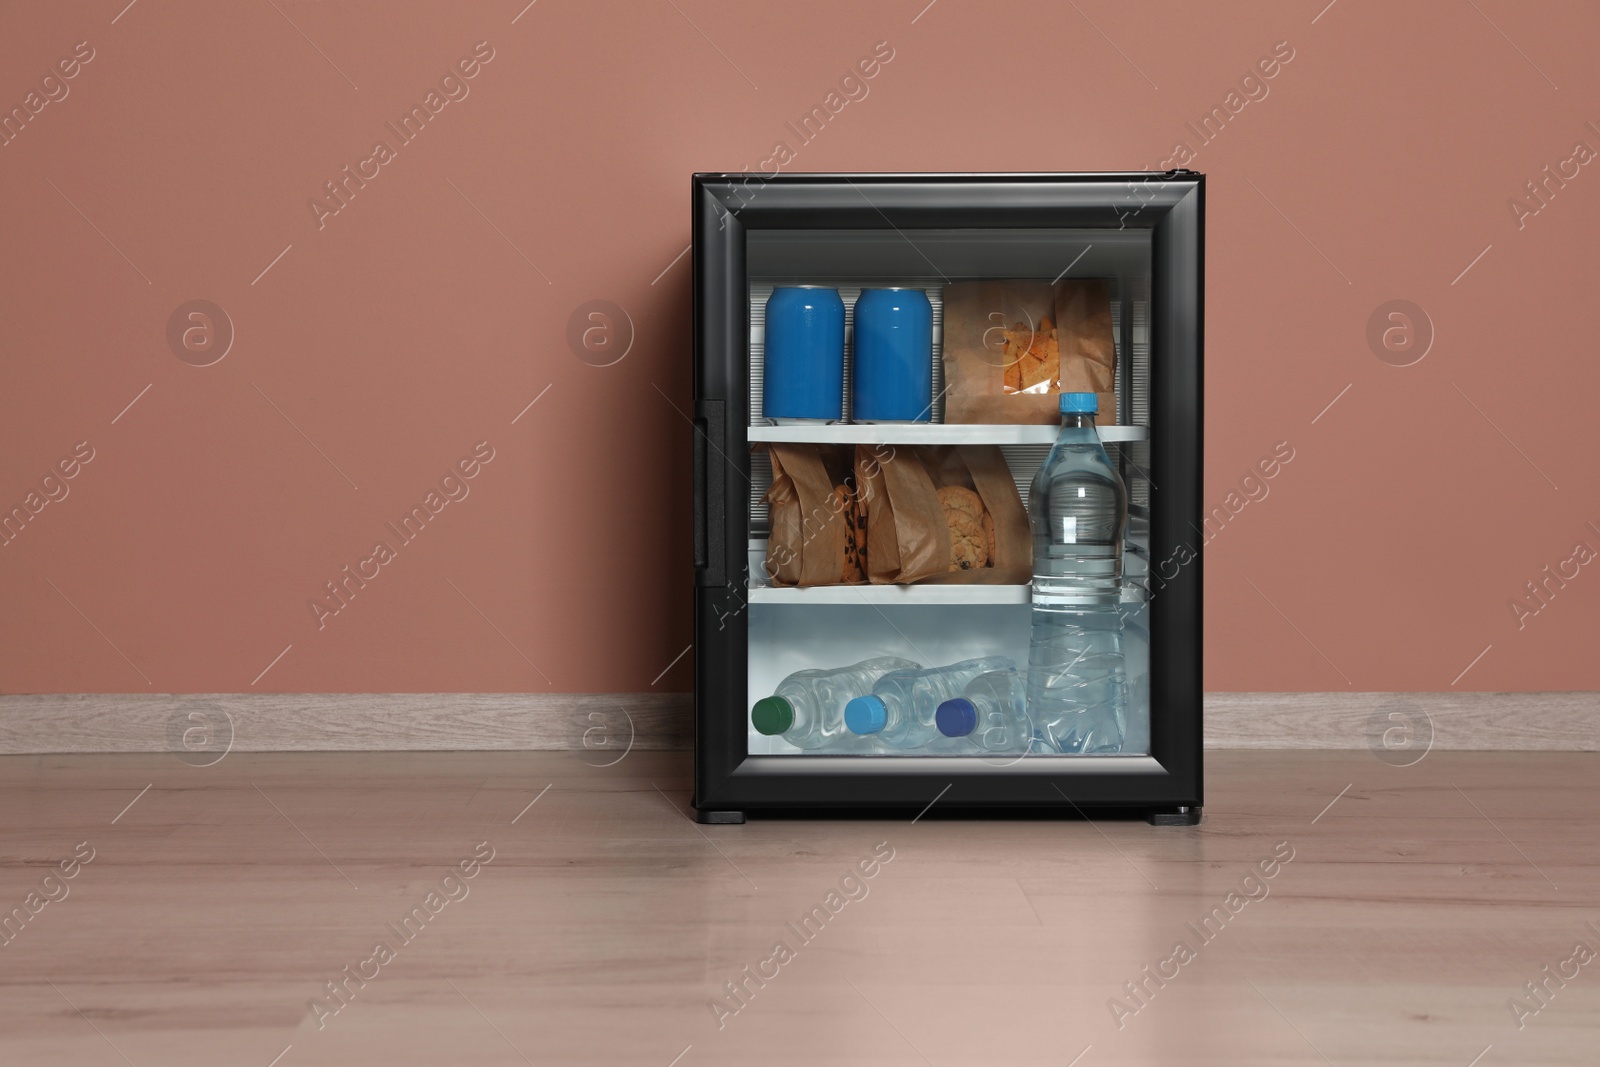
<point>1134,242</point>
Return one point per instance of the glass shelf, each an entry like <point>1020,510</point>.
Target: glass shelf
<point>891,594</point>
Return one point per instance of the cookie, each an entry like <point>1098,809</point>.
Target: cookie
<point>960,498</point>
<point>965,515</point>
<point>967,546</point>
<point>861,529</point>
<point>852,541</point>
<point>1032,357</point>
<point>1042,366</point>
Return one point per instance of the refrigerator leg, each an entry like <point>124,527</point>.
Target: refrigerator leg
<point>720,818</point>
<point>1183,816</point>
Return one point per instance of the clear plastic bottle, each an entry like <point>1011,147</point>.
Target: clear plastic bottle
<point>1136,653</point>
<point>990,715</point>
<point>899,712</point>
<point>1078,508</point>
<point>807,708</point>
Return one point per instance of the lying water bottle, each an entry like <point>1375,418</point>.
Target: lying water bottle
<point>990,715</point>
<point>807,708</point>
<point>900,710</point>
<point>1078,509</point>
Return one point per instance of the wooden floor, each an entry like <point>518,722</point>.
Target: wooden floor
<point>221,900</point>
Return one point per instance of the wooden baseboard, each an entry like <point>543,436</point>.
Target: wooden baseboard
<point>1396,722</point>
<point>200,723</point>
<point>195,726</point>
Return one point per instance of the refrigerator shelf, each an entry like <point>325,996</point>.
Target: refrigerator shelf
<point>933,434</point>
<point>908,595</point>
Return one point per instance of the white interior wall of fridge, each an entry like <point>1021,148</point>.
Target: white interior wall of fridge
<point>794,637</point>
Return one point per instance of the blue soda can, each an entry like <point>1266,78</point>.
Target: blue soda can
<point>893,356</point>
<point>804,356</point>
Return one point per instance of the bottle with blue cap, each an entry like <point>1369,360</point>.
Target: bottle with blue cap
<point>1078,509</point>
<point>990,715</point>
<point>899,712</point>
<point>807,708</point>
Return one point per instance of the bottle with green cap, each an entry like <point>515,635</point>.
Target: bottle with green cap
<point>990,715</point>
<point>807,708</point>
<point>899,712</point>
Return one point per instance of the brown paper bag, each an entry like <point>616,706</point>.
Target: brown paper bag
<point>1010,347</point>
<point>983,469</point>
<point>906,535</point>
<point>1088,349</point>
<point>883,551</point>
<point>909,530</point>
<point>815,537</point>
<point>784,539</point>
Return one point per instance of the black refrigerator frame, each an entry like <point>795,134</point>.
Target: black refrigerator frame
<point>1166,785</point>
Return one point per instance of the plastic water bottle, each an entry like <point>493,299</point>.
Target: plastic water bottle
<point>990,715</point>
<point>807,708</point>
<point>900,710</point>
<point>1078,508</point>
<point>1136,640</point>
<point>1136,653</point>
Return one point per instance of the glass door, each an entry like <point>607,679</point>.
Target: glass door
<point>1004,286</point>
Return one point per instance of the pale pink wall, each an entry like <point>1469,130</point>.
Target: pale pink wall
<point>407,329</point>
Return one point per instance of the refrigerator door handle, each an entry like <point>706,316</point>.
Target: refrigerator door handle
<point>710,495</point>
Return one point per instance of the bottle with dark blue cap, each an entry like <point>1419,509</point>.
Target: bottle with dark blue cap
<point>990,715</point>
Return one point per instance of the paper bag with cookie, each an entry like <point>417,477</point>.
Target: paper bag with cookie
<point>817,518</point>
<point>990,540</point>
<point>947,514</point>
<point>1011,346</point>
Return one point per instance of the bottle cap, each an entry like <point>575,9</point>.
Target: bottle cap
<point>772,715</point>
<point>956,718</point>
<point>865,715</point>
<point>1080,404</point>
